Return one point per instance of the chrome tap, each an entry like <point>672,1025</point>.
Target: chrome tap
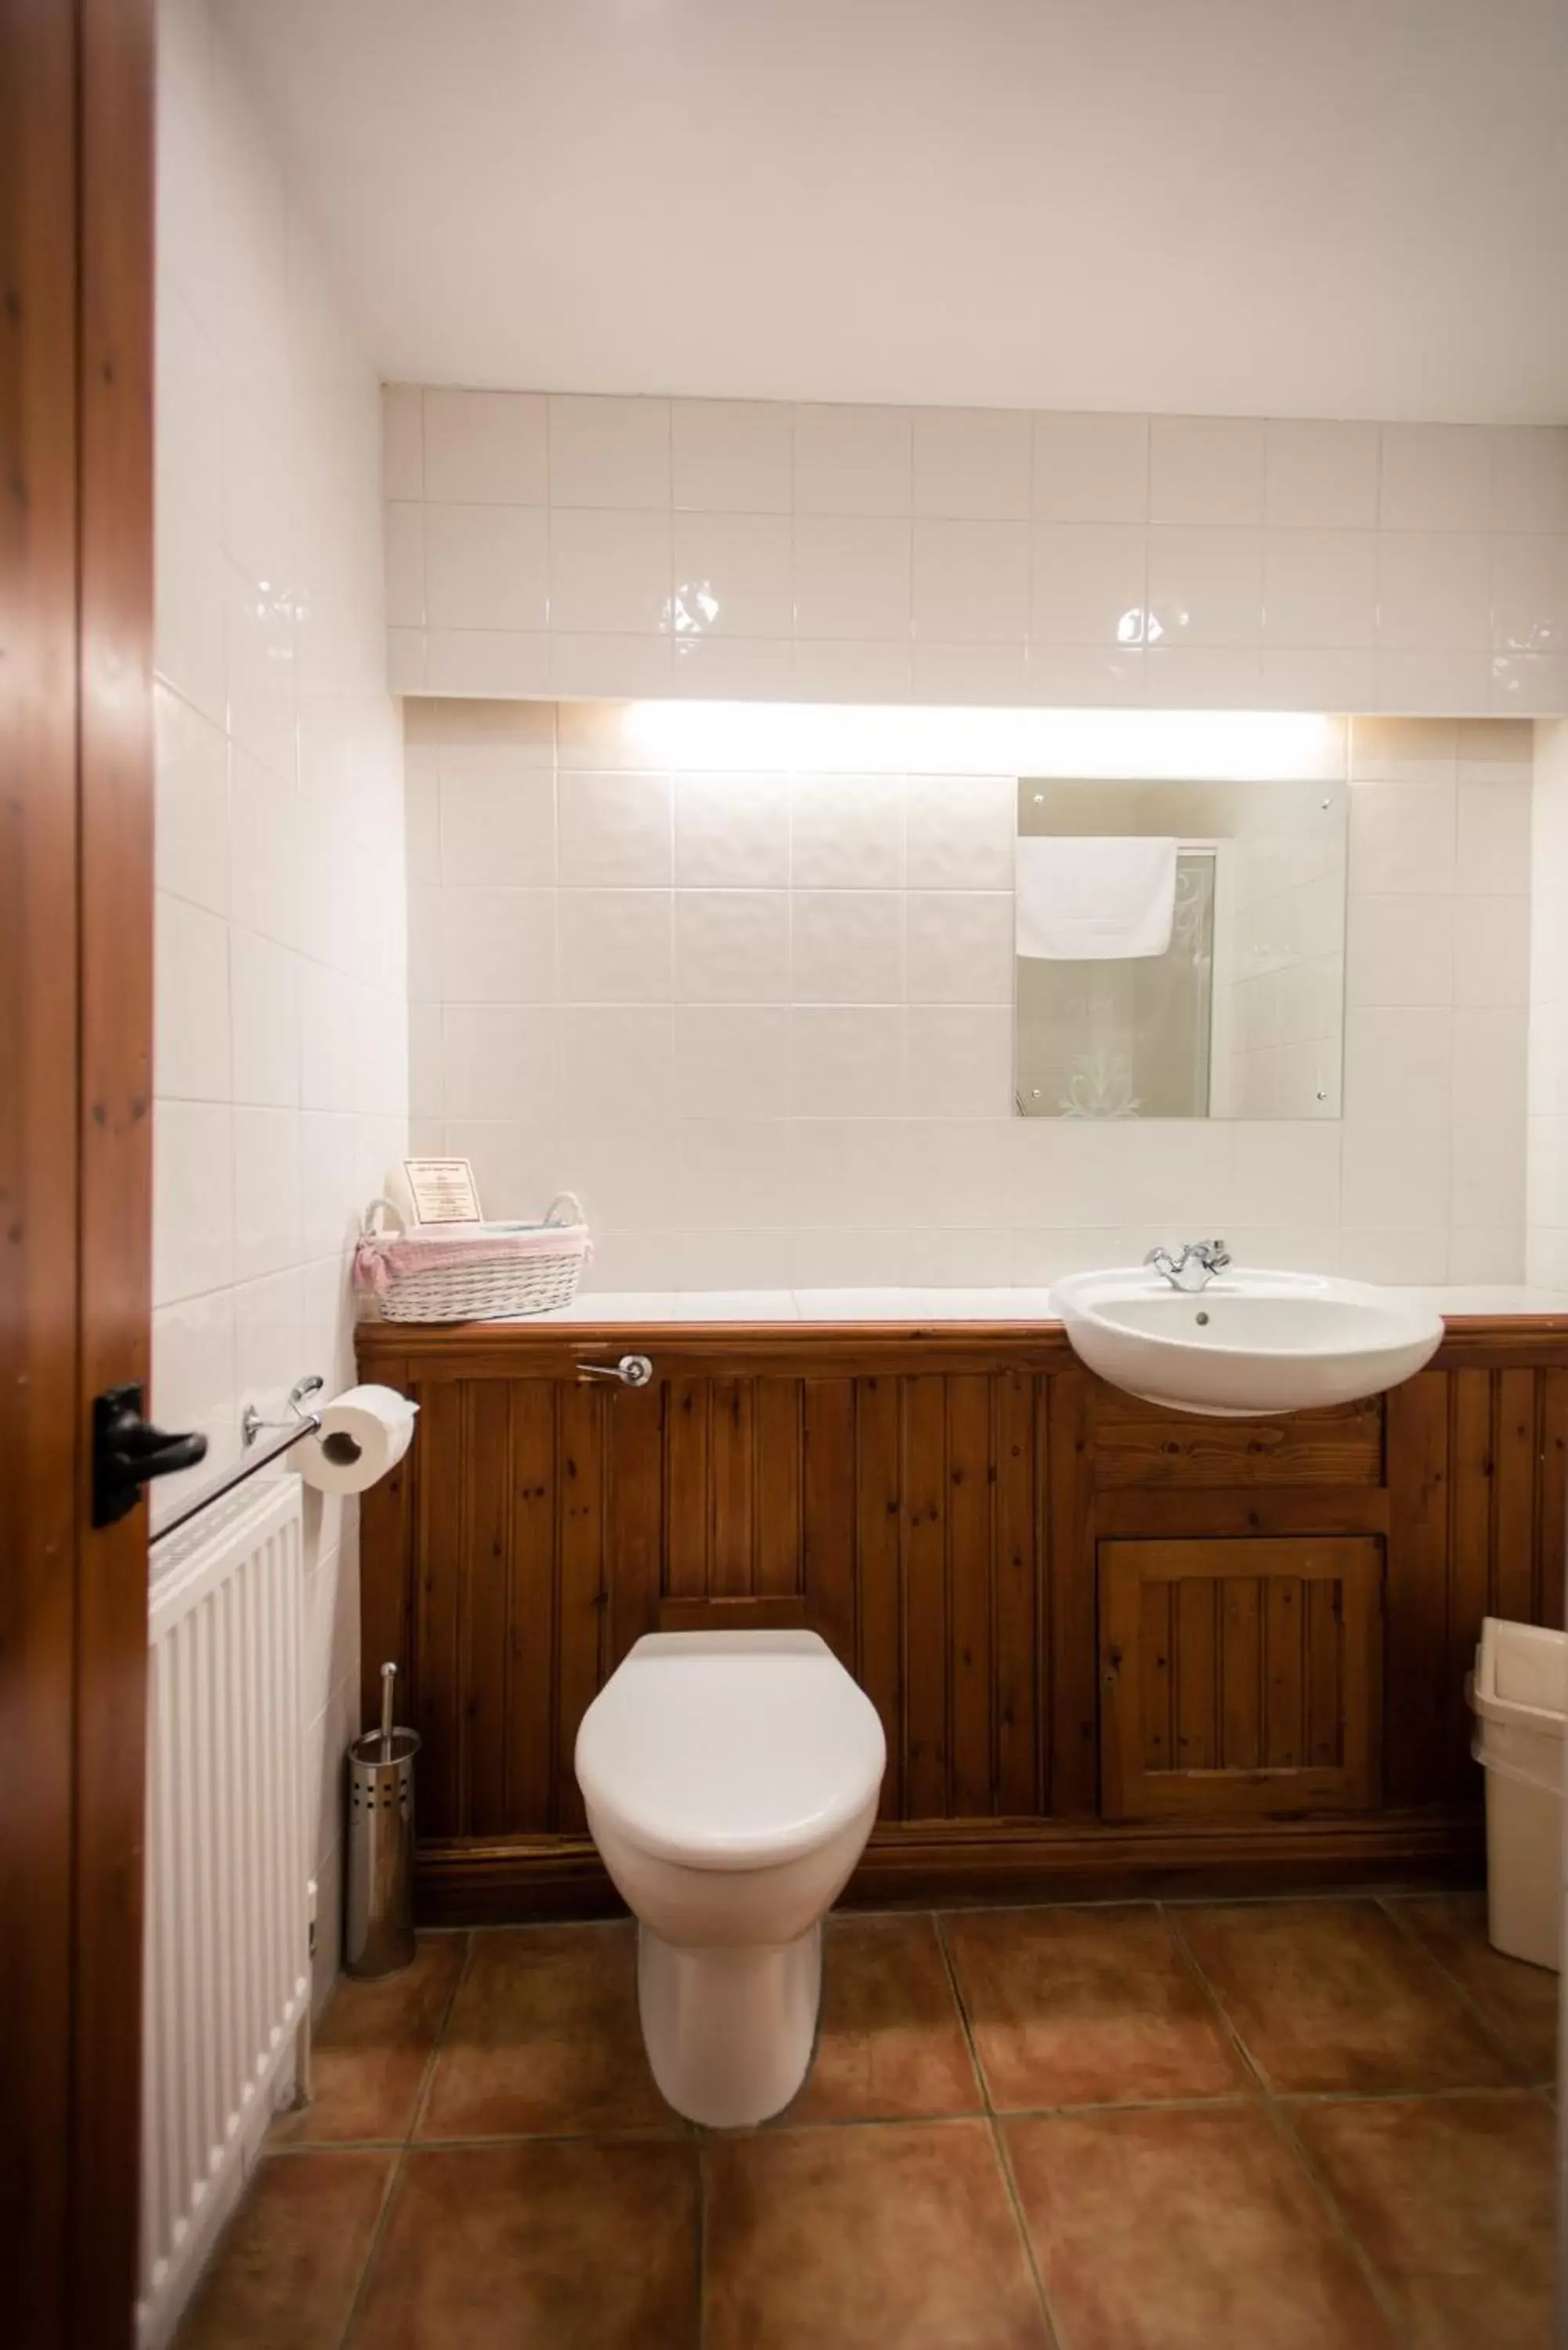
<point>1210,1257</point>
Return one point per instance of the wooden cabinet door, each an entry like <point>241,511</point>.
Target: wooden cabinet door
<point>1240,1677</point>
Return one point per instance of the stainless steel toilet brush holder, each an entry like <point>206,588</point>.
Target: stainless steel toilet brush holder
<point>378,1925</point>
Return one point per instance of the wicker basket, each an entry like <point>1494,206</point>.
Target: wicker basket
<point>484,1272</point>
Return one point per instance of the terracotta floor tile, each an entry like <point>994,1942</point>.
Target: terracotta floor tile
<point>1453,2199</point>
<point>892,2042</point>
<point>543,2036</point>
<point>896,2238</point>
<point>286,2273</point>
<point>1186,2230</point>
<point>371,2048</point>
<point>552,2247</point>
<point>1076,2007</point>
<point>1331,1995</point>
<point>1519,2003</point>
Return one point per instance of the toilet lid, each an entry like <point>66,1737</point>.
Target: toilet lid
<point>730,1749</point>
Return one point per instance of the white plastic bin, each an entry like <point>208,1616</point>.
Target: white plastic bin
<point>1519,1694</point>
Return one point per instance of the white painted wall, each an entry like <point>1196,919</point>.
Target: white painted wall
<point>565,546</point>
<point>1548,1196</point>
<point>756,1008</point>
<point>280,1066</point>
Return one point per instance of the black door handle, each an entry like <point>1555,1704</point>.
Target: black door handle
<point>127,1451</point>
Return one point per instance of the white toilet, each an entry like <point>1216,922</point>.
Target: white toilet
<point>730,1780</point>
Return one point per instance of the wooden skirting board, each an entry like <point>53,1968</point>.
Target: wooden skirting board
<point>1111,1646</point>
<point>950,1863</point>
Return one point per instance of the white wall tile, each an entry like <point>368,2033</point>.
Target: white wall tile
<point>266,848</point>
<point>958,832</point>
<point>971,462</point>
<point>731,946</point>
<point>263,983</point>
<point>733,575</point>
<point>1086,677</point>
<point>1402,837</point>
<point>1399,1063</point>
<point>846,1061</point>
<point>1395,1177</point>
<point>498,946</point>
<point>1433,592</point>
<point>851,670</point>
<point>267,1223</point>
<point>610,572</point>
<point>1436,477</point>
<point>974,674</point>
<point>497,817</point>
<point>732,456</point>
<point>486,566</point>
<point>1320,588</point>
<point>1459,682</point>
<point>1320,476</point>
<point>732,669</point>
<point>485,448</point>
<point>609,668</point>
<point>738,1170</point>
<point>1529,594</point>
<point>852,576</point>
<point>1400,950</point>
<point>1201,677</point>
<point>958,1060</point>
<point>193,1198</point>
<point>1526,685</point>
<point>1091,468</point>
<point>960,947</point>
<point>1530,478</point>
<point>1088,585</point>
<point>191,831</point>
<point>616,945</point>
<point>1206,469</point>
<point>499,1061</point>
<point>972,581</point>
<point>731,1060</point>
<point>852,461</point>
<point>732,831</point>
<point>1491,951</point>
<point>191,1055</point>
<point>486,661</point>
<point>1205,587</point>
<point>608,451</point>
<point>846,832</point>
<point>615,1061</point>
<point>404,523</point>
<point>1494,839</point>
<point>616,831</point>
<point>402,441</point>
<point>847,946</point>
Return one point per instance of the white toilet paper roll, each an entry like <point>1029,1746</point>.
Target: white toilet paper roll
<point>364,1433</point>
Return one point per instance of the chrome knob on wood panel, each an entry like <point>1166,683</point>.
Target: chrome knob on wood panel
<point>632,1370</point>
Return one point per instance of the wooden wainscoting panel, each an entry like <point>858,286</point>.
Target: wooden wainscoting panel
<point>581,1583</point>
<point>1140,1444</point>
<point>441,1491</point>
<point>879,1552</point>
<point>532,1541</point>
<point>1240,1677</point>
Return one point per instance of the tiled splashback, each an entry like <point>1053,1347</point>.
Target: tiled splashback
<point>565,546</point>
<point>761,1019</point>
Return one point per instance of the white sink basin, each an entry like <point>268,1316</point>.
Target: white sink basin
<point>1250,1343</point>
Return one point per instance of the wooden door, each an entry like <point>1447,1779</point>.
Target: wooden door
<point>76,913</point>
<point>1240,1677</point>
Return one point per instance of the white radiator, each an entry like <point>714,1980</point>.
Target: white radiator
<point>227,1949</point>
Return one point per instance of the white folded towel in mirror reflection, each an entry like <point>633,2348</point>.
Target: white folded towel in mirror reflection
<point>1094,900</point>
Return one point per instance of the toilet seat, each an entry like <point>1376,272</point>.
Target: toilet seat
<point>730,1750</point>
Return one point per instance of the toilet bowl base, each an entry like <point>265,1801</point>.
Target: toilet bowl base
<point>729,2032</point>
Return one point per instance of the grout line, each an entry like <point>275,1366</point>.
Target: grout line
<point>421,2095</point>
<point>1489,2030</point>
<point>388,2193</point>
<point>1055,2339</point>
<point>1280,2120</point>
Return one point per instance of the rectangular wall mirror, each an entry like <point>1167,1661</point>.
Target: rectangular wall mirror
<point>1179,950</point>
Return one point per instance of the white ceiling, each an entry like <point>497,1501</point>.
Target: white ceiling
<point>1292,207</point>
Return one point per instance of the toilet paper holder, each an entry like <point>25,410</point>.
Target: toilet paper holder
<point>304,1423</point>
